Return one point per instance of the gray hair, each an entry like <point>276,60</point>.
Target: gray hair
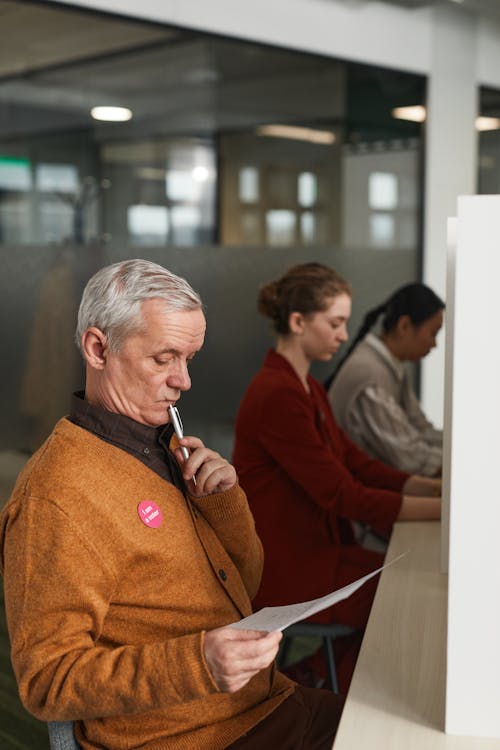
<point>112,299</point>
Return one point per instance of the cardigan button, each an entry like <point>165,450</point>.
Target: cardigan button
<point>222,574</point>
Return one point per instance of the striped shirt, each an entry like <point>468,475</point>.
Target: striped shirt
<point>374,403</point>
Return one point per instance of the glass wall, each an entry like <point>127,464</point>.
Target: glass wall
<point>489,142</point>
<point>237,160</point>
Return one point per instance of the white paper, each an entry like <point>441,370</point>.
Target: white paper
<point>279,618</point>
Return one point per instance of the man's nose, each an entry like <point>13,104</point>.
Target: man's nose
<point>344,334</point>
<point>179,378</point>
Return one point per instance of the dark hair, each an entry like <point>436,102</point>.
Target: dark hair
<point>304,288</point>
<point>416,300</point>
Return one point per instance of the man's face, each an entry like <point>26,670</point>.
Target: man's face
<point>150,371</point>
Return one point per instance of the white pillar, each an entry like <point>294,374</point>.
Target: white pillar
<point>450,162</point>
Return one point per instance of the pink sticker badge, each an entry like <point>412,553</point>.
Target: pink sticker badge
<point>150,514</point>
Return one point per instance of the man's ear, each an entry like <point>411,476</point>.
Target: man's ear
<point>296,322</point>
<point>94,348</point>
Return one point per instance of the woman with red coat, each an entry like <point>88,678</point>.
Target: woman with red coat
<point>304,478</point>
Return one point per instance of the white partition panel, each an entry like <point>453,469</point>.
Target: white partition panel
<point>448,392</point>
<point>473,668</point>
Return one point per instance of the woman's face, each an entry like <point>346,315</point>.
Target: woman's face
<point>324,331</point>
<point>422,338</point>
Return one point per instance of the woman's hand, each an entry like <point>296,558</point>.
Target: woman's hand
<point>415,508</point>
<point>416,485</point>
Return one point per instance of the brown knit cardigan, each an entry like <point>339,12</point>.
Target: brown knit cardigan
<point>107,615</point>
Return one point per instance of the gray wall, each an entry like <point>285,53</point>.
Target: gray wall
<point>39,293</point>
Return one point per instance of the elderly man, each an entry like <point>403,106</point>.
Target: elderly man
<point>124,563</point>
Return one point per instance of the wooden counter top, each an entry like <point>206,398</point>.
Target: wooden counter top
<point>397,695</point>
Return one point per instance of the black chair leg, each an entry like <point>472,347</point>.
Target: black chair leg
<point>330,662</point>
<point>283,652</point>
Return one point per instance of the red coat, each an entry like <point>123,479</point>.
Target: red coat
<point>305,480</point>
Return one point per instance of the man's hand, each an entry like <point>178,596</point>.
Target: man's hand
<point>213,473</point>
<point>235,656</point>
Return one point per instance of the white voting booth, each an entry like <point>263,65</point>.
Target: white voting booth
<point>471,469</point>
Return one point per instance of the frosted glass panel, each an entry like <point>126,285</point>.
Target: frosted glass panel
<point>186,221</point>
<point>59,178</point>
<point>382,230</point>
<point>249,185</point>
<point>383,190</point>
<point>56,221</point>
<point>40,289</point>
<point>148,224</point>
<point>308,226</point>
<point>280,227</point>
<point>181,185</point>
<point>307,189</point>
<point>15,174</point>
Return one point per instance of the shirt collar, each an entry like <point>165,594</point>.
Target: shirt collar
<point>395,364</point>
<point>117,428</point>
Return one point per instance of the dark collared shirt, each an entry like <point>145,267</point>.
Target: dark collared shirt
<point>148,444</point>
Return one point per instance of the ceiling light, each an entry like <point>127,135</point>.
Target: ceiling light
<point>111,114</point>
<point>416,113</point>
<point>324,137</point>
<point>487,123</point>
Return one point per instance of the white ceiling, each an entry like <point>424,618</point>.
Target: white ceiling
<point>39,36</point>
<point>56,63</point>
